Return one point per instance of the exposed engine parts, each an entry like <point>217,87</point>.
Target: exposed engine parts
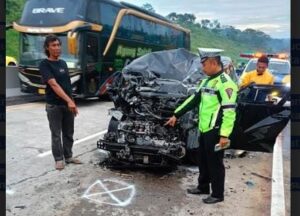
<point>147,92</point>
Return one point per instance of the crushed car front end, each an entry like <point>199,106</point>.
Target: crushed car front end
<point>145,95</point>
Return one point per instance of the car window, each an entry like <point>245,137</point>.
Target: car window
<point>279,67</point>
<point>250,66</point>
<point>275,67</point>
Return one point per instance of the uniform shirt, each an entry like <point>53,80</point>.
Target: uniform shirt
<point>265,79</point>
<point>59,71</point>
<point>216,97</point>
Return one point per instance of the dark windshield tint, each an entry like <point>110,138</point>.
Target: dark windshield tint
<point>44,13</point>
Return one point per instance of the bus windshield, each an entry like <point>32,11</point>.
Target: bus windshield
<point>32,51</point>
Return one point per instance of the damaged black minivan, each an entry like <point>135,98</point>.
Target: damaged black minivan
<point>149,89</point>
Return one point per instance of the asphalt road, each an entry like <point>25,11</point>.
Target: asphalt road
<point>34,187</point>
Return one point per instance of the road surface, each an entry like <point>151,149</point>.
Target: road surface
<point>34,187</point>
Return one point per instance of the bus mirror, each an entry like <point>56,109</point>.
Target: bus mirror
<point>8,26</point>
<point>72,43</point>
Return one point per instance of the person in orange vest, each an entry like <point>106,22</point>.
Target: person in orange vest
<point>260,75</point>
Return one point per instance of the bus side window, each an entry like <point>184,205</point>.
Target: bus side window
<point>92,48</point>
<point>108,14</point>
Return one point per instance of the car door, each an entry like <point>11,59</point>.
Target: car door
<point>261,116</point>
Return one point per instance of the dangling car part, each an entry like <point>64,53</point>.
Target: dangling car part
<point>145,95</point>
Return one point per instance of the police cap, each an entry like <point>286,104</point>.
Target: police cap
<point>206,53</point>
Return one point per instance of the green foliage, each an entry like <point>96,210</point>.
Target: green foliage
<point>14,10</point>
<point>211,34</point>
<point>13,13</point>
<point>12,43</point>
<point>205,38</point>
<point>148,7</point>
<point>184,19</point>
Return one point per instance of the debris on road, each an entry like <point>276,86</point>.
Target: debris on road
<point>261,176</point>
<point>250,184</point>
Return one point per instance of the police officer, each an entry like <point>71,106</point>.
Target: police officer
<point>260,75</point>
<point>216,99</point>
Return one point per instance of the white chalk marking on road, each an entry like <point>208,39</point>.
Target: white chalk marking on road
<point>76,142</point>
<point>116,200</point>
<point>277,199</point>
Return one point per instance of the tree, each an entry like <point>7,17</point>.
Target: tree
<point>148,7</point>
<point>13,10</point>
<point>185,19</point>
<point>205,23</point>
<point>172,17</point>
<point>189,18</point>
<point>216,24</point>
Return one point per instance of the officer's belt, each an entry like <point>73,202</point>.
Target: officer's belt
<point>229,106</point>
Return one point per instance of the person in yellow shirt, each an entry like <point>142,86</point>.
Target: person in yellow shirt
<point>260,76</point>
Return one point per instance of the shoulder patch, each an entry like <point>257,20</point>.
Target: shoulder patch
<point>229,92</point>
<point>223,78</point>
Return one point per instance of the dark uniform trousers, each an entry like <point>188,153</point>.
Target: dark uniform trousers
<point>61,123</point>
<point>211,167</point>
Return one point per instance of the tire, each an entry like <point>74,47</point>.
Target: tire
<point>11,64</point>
<point>113,125</point>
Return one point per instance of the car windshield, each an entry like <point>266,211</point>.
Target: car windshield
<point>275,67</point>
<point>32,51</point>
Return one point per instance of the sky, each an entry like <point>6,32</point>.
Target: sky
<point>269,16</point>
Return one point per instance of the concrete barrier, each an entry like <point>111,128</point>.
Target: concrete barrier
<point>12,82</point>
<point>12,79</point>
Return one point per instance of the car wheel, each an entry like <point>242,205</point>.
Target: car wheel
<point>113,125</point>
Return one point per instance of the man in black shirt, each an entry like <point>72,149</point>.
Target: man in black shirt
<point>61,108</point>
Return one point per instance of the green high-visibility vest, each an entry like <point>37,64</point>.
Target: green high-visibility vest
<point>216,97</point>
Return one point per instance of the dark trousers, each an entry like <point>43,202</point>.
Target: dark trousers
<point>211,167</point>
<point>61,123</point>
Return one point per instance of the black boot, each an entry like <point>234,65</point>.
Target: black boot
<point>198,191</point>
<point>212,200</point>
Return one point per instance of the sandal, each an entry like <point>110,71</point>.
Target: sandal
<point>59,165</point>
<point>73,160</point>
